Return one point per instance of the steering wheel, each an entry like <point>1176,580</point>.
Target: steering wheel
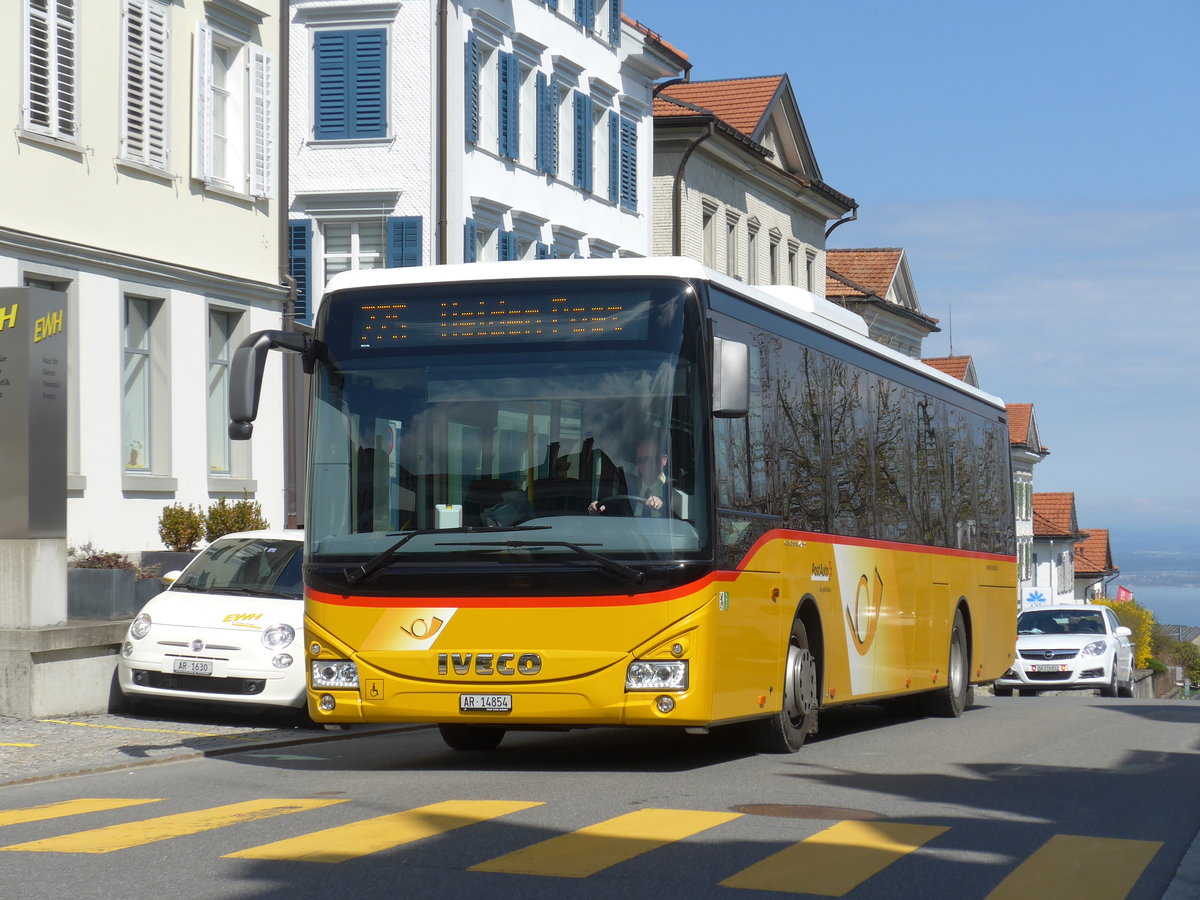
<point>632,498</point>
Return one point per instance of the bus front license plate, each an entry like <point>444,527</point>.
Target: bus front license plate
<point>485,702</point>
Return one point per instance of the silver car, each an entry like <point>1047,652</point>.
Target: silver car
<point>1070,647</point>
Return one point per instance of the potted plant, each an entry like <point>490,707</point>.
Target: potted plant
<point>103,585</point>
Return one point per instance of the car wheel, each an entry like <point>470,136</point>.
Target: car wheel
<point>785,731</point>
<point>1126,689</point>
<point>472,737</point>
<point>1110,690</point>
<point>1002,691</point>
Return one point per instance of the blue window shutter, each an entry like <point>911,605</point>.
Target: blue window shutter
<point>350,96</point>
<point>552,4</point>
<point>614,22</point>
<point>331,101</point>
<point>583,141</point>
<point>403,241</point>
<point>470,240</point>
<point>510,105</point>
<point>300,265</point>
<point>506,250</point>
<point>472,87</point>
<point>614,157</point>
<point>628,163</point>
<point>543,123</point>
<point>368,83</point>
<point>585,14</point>
<point>552,103</point>
<point>542,251</point>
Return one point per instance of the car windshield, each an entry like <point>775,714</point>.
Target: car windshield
<point>1051,621</point>
<point>267,566</point>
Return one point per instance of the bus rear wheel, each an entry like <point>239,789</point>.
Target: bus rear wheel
<point>472,737</point>
<point>950,701</point>
<point>785,731</point>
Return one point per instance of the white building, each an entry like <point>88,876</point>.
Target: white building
<point>140,178</point>
<point>1055,534</point>
<point>446,132</point>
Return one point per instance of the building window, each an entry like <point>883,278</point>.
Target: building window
<point>220,338</point>
<point>300,267</point>
<point>144,96</point>
<point>708,235</point>
<point>793,265</point>
<point>234,119</point>
<point>136,384</point>
<point>773,258</point>
<point>547,124</point>
<point>731,246</point>
<point>584,148</point>
<point>352,246</point>
<point>509,110</point>
<point>752,254</point>
<point>350,84</point>
<point>51,68</point>
<point>810,271</point>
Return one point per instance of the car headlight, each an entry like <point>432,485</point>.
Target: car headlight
<point>1095,648</point>
<point>278,636</point>
<point>334,673</point>
<point>140,626</point>
<point>657,675</point>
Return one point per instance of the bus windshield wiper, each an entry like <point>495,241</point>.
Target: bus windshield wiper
<point>359,574</point>
<point>628,573</point>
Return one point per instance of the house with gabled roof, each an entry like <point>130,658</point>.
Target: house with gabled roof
<point>960,367</point>
<point>1026,450</point>
<point>876,283</point>
<point>1094,566</point>
<point>1055,533</point>
<point>736,182</point>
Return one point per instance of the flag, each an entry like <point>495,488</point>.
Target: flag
<point>1124,595</point>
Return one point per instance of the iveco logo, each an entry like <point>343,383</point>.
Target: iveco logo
<point>489,663</point>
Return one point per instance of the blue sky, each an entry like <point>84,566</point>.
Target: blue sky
<point>1039,162</point>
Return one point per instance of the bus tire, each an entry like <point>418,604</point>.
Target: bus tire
<point>785,731</point>
<point>472,737</point>
<point>950,701</point>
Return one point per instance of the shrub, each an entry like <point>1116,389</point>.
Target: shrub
<point>1157,666</point>
<point>88,557</point>
<point>181,527</point>
<point>1140,621</point>
<point>225,518</point>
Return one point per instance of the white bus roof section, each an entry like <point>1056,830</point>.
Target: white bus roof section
<point>793,302</point>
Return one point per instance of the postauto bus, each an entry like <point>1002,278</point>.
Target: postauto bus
<point>568,493</point>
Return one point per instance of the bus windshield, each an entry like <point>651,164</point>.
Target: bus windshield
<point>497,425</point>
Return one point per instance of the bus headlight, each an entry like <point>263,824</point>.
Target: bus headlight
<point>657,675</point>
<point>334,673</point>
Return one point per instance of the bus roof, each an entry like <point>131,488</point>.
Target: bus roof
<point>793,302</point>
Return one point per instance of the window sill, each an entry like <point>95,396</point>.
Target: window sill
<point>149,484</point>
<point>77,483</point>
<point>222,190</point>
<point>56,143</point>
<point>337,143</point>
<point>131,167</point>
<point>229,484</point>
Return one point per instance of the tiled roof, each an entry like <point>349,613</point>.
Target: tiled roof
<point>1019,417</point>
<point>1054,515</point>
<point>739,102</point>
<point>872,268</point>
<point>954,366</point>
<point>654,37</point>
<point>1093,555</point>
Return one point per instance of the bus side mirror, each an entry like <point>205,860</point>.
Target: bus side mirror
<point>246,375</point>
<point>730,379</point>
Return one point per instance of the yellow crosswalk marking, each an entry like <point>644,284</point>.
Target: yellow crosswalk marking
<point>835,861</point>
<point>147,831</point>
<point>356,839</point>
<point>65,808</point>
<point>1067,867</point>
<point>592,849</point>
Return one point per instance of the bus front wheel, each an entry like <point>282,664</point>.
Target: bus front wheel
<point>472,737</point>
<point>785,731</point>
<point>950,701</point>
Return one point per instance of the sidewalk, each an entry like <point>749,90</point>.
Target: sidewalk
<point>39,749</point>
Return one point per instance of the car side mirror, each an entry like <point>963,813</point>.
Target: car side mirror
<point>170,577</point>
<point>1122,631</point>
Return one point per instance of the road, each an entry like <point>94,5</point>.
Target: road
<point>1060,797</point>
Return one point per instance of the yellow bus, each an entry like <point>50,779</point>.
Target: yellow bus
<point>622,492</point>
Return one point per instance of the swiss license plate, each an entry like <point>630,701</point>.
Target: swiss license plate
<point>1049,667</point>
<point>192,666</point>
<point>485,702</point>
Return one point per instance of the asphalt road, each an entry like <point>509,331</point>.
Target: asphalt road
<point>1080,781</point>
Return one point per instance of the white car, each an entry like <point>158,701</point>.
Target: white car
<point>1070,648</point>
<point>229,629</point>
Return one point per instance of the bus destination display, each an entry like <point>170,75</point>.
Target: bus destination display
<point>496,320</point>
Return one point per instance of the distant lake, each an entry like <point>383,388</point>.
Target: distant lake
<point>1171,605</point>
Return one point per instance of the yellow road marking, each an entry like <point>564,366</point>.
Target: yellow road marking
<point>357,839</point>
<point>835,861</point>
<point>597,847</point>
<point>65,808</point>
<point>1068,866</point>
<point>232,737</point>
<point>147,831</point>
<point>18,745</point>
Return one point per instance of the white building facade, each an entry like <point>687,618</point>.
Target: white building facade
<point>444,132</point>
<point>142,182</point>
